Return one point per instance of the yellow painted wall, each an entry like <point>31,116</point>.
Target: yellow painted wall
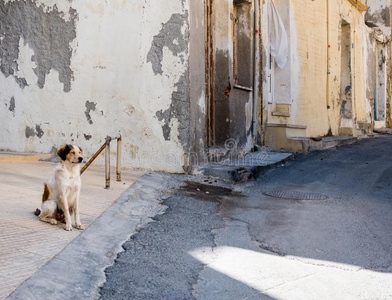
<point>311,94</point>
<point>345,10</point>
<point>309,37</point>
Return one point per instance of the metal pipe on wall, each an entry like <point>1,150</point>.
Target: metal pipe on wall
<point>118,168</point>
<point>255,70</point>
<point>107,163</point>
<point>328,57</point>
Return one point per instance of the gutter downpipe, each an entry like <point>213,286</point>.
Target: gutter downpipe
<point>328,62</point>
<point>255,64</point>
<point>327,93</point>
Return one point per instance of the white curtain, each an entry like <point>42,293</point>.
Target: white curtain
<point>278,37</point>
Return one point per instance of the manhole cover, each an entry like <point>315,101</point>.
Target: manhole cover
<point>294,195</point>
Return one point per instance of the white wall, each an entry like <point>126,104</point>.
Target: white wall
<point>114,88</point>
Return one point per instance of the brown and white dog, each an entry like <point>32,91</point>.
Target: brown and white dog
<point>60,199</point>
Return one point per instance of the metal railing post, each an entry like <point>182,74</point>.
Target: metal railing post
<point>106,146</point>
<point>93,158</point>
<point>119,142</point>
<point>107,162</point>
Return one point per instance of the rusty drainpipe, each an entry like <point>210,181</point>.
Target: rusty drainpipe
<point>255,72</point>
<point>328,61</point>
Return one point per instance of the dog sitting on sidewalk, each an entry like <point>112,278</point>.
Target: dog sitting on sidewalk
<point>60,199</point>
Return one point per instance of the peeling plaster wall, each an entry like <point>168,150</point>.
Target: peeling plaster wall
<point>311,44</point>
<point>370,46</point>
<point>378,18</point>
<point>76,71</point>
<point>378,14</point>
<point>339,13</point>
<point>197,79</point>
<point>45,32</point>
<point>302,84</point>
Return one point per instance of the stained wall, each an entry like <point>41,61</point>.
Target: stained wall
<point>76,71</point>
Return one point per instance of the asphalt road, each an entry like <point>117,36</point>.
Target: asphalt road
<point>326,236</point>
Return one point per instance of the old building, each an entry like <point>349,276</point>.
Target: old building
<point>76,71</point>
<point>335,81</point>
<point>185,83</point>
<point>378,61</point>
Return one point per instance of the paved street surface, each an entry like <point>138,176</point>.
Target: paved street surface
<point>316,227</point>
<point>27,244</point>
<point>262,240</point>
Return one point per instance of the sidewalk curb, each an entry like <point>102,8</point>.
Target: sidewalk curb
<point>79,270</point>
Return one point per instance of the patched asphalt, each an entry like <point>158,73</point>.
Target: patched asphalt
<point>156,263</point>
<point>323,234</point>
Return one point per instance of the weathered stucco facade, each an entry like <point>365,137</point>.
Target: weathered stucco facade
<point>232,77</point>
<point>185,83</point>
<point>338,65</point>
<point>78,71</point>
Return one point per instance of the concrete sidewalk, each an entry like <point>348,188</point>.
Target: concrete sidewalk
<point>42,261</point>
<point>27,244</point>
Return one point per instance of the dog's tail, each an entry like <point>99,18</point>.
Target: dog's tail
<point>45,197</point>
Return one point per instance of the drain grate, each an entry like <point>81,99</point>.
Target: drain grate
<point>295,195</point>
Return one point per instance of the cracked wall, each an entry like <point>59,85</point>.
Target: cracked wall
<point>77,71</point>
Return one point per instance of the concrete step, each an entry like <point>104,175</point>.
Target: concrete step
<point>311,144</point>
<point>383,130</point>
<point>248,167</point>
<point>17,156</point>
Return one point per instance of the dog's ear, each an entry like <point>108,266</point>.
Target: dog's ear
<point>63,151</point>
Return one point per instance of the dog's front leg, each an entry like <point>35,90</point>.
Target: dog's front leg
<point>65,208</point>
<point>78,225</point>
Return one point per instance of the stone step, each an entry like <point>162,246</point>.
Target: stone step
<point>321,143</point>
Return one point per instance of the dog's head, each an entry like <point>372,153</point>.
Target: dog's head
<point>71,153</point>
